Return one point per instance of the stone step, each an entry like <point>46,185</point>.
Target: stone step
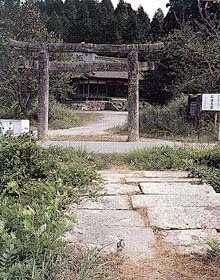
<point>189,241</point>
<point>114,180</point>
<point>134,242</point>
<point>102,218</point>
<point>119,189</point>
<point>105,202</point>
<point>175,188</point>
<point>131,180</point>
<point>185,200</point>
<point>184,217</point>
<point>160,174</point>
<point>149,174</point>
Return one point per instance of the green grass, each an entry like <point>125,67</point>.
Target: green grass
<point>62,116</point>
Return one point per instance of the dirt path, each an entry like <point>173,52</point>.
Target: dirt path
<point>110,120</point>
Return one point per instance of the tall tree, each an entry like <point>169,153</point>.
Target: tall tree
<point>70,24</point>
<point>83,23</point>
<point>143,26</point>
<point>131,29</point>
<point>119,22</point>
<point>157,25</point>
<point>55,24</point>
<point>106,17</point>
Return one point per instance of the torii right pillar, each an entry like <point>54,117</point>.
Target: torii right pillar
<point>133,97</point>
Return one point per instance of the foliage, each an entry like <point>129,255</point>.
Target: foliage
<point>193,61</point>
<point>157,25</point>
<point>61,116</point>
<point>170,119</point>
<point>36,186</point>
<point>188,11</point>
<point>163,158</point>
<point>96,21</point>
<point>189,63</point>
<point>207,167</point>
<point>214,249</point>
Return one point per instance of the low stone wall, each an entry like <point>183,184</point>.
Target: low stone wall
<point>100,105</point>
<point>89,106</point>
<point>113,105</point>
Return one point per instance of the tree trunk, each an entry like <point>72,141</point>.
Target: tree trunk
<point>43,96</point>
<point>133,97</point>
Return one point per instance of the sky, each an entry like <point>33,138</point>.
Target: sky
<point>150,6</point>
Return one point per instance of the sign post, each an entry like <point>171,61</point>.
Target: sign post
<point>211,102</point>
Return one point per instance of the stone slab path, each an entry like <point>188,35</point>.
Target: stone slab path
<point>136,210</point>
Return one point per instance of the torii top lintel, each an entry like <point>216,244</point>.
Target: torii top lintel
<point>86,48</point>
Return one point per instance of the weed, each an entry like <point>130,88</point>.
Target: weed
<point>36,185</point>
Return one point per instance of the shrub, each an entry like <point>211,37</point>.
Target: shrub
<point>207,167</point>
<point>170,119</point>
<point>210,157</point>
<point>209,174</point>
<point>163,158</point>
<point>61,116</point>
<point>36,186</point>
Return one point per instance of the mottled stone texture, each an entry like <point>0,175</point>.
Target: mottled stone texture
<point>86,48</point>
<point>133,97</point>
<point>43,96</point>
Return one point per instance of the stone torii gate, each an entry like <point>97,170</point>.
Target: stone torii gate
<point>44,66</point>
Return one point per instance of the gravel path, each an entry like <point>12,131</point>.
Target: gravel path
<point>110,120</point>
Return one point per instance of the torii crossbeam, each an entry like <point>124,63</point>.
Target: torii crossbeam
<point>133,68</point>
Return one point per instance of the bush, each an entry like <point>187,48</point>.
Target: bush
<point>169,119</point>
<point>36,185</point>
<point>61,116</point>
<point>211,157</point>
<point>163,158</point>
<point>207,167</point>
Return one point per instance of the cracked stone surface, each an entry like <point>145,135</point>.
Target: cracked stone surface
<point>184,217</point>
<point>137,241</point>
<point>119,189</point>
<point>130,180</point>
<point>190,241</point>
<point>106,203</point>
<point>176,188</point>
<point>178,210</point>
<point>183,200</point>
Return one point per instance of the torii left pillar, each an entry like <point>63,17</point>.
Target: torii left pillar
<point>43,96</point>
<point>133,97</point>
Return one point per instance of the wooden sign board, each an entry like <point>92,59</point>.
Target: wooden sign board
<point>211,102</point>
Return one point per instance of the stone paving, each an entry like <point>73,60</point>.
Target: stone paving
<point>135,210</point>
